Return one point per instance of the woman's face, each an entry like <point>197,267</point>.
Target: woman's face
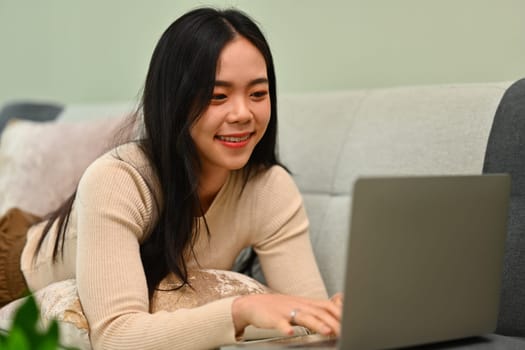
<point>235,120</point>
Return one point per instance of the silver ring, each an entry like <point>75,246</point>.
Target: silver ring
<point>293,313</point>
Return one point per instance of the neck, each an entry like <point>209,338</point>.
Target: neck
<point>210,183</point>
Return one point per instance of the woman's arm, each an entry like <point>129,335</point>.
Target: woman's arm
<point>287,259</point>
<point>114,211</point>
<point>283,243</point>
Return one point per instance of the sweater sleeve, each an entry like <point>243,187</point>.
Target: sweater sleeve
<point>114,208</point>
<point>283,243</point>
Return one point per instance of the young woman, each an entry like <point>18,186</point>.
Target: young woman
<point>201,183</point>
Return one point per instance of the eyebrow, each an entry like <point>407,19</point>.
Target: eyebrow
<point>251,83</point>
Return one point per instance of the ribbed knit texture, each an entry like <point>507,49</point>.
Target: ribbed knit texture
<point>114,209</point>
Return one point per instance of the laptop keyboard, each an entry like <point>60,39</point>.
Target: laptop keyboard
<point>326,343</point>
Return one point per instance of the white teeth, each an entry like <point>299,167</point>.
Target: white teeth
<point>233,139</point>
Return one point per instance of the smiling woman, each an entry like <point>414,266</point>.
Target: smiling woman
<point>200,183</point>
<point>227,132</point>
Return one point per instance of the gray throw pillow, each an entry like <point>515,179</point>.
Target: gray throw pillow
<point>506,154</point>
<point>36,111</point>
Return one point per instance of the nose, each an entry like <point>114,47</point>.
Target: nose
<point>240,111</point>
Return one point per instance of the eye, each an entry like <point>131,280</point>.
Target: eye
<point>259,95</point>
<point>218,97</point>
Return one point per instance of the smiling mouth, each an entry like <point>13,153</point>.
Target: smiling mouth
<point>233,139</point>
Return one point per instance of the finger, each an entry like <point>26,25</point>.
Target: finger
<point>285,327</point>
<point>323,311</point>
<point>328,305</point>
<point>337,299</point>
<point>322,323</point>
<point>318,319</point>
<point>330,320</point>
<point>293,313</point>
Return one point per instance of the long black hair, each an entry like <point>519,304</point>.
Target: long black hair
<point>178,88</point>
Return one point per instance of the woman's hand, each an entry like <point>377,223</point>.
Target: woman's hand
<point>281,312</point>
<point>337,299</point>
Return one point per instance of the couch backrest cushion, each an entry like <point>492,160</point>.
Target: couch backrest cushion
<point>312,133</point>
<point>418,131</point>
<point>506,153</point>
<point>329,139</point>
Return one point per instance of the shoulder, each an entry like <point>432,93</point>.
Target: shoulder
<point>277,209</point>
<point>274,188</point>
<point>120,180</point>
<point>273,178</point>
<point>268,189</point>
<point>126,161</point>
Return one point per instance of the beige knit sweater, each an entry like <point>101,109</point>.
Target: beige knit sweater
<point>113,211</point>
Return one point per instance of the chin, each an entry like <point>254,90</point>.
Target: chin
<point>236,164</point>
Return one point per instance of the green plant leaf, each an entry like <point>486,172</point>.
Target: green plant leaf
<point>48,343</point>
<point>26,316</point>
<point>25,333</point>
<point>49,340</point>
<point>3,335</point>
<point>3,341</point>
<point>52,331</point>
<point>17,340</point>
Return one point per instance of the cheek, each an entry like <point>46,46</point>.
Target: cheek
<point>198,133</point>
<point>203,125</point>
<point>263,114</point>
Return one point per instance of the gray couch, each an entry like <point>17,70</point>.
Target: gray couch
<point>329,139</point>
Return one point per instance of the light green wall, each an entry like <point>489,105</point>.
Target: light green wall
<point>98,50</point>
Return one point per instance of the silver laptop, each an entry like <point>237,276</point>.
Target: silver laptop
<point>424,261</point>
